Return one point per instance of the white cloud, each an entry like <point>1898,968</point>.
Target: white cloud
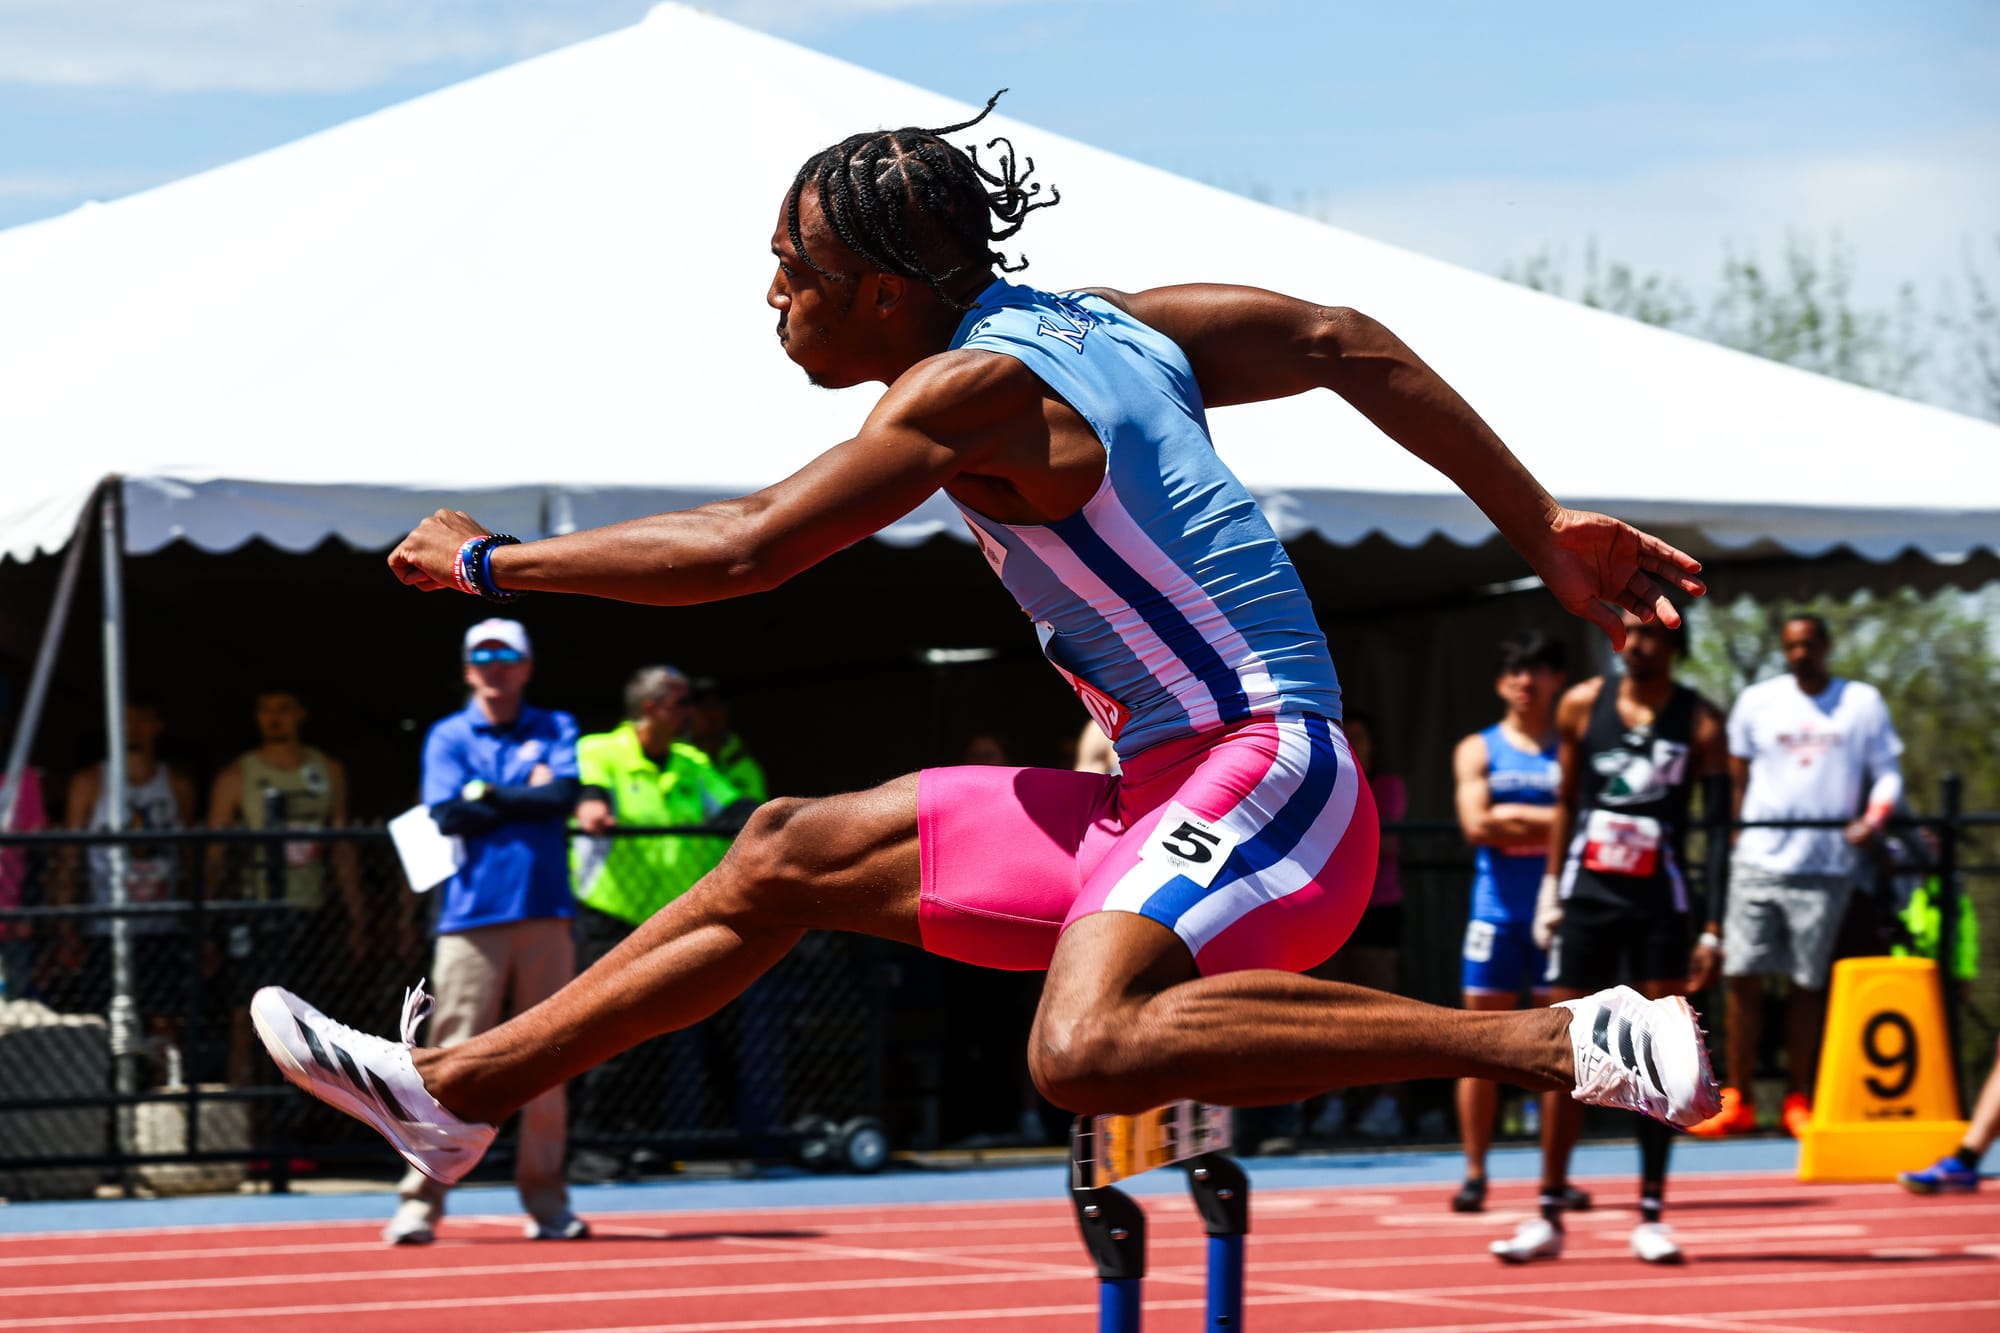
<point>324,46</point>
<point>1906,214</point>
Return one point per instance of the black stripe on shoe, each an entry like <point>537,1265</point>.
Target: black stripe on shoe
<point>1626,1054</point>
<point>1601,1027</point>
<point>388,1098</point>
<point>1650,1069</point>
<point>312,1045</point>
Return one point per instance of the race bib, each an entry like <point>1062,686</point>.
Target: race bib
<point>1479,941</point>
<point>1621,844</point>
<point>1192,846</point>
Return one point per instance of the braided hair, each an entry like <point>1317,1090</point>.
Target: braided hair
<point>907,202</point>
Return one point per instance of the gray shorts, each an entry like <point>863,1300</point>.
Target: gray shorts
<point>1782,924</point>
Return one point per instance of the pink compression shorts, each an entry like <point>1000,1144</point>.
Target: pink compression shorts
<point>1255,844</point>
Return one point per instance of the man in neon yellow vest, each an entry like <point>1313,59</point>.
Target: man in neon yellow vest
<point>643,774</point>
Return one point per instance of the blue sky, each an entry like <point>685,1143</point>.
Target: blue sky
<point>1479,132</point>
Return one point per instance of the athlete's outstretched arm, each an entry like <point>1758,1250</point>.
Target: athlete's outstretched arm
<point>1247,345</point>
<point>926,429</point>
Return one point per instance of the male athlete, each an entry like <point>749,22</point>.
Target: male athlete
<point>1172,906</point>
<point>1614,907</point>
<point>1504,785</point>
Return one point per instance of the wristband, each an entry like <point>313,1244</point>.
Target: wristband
<point>1708,940</point>
<point>462,565</point>
<point>472,568</point>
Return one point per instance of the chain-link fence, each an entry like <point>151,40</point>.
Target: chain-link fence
<point>126,1054</point>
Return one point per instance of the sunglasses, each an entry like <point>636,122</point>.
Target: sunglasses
<point>484,656</point>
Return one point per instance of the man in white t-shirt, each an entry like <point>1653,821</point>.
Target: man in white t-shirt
<point>1805,745</point>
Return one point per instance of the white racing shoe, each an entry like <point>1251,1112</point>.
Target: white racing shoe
<point>1644,1055</point>
<point>371,1079</point>
<point>1536,1238</point>
<point>1654,1243</point>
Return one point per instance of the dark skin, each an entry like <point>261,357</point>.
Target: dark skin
<point>1125,1021</point>
<point>1643,691</point>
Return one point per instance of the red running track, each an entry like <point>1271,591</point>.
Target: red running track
<point>1766,1255</point>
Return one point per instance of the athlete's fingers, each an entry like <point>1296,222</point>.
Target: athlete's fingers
<point>1672,563</point>
<point>1600,615</point>
<point>1647,600</point>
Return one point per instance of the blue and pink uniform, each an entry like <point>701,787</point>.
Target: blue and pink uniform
<point>1239,822</point>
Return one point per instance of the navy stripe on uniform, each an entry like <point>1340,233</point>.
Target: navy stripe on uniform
<point>1160,614</point>
<point>1270,844</point>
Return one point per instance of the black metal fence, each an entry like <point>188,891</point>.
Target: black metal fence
<point>126,1055</point>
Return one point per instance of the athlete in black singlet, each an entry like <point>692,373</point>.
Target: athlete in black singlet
<point>1615,908</point>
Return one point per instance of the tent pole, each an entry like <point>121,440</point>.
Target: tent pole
<point>45,666</point>
<point>123,1016</point>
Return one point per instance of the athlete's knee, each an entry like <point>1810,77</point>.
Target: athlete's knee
<point>768,860</point>
<point>1088,1063</point>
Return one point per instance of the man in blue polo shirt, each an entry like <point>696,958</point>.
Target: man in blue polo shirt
<point>501,774</point>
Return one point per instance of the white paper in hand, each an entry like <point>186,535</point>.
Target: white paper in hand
<point>429,857</point>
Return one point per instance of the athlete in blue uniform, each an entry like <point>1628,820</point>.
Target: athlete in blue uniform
<point>1173,905</point>
<point>1505,783</point>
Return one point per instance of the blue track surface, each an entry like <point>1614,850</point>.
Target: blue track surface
<point>793,1190</point>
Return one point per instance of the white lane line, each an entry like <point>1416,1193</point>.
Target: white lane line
<point>1709,1278</point>
<point>381,1276</point>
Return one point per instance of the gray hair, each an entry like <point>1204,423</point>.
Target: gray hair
<point>653,682</point>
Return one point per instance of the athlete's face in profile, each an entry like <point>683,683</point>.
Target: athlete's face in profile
<point>814,313</point>
<point>1529,690</point>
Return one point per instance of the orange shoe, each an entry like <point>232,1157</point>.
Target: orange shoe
<point>1797,1114</point>
<point>1737,1116</point>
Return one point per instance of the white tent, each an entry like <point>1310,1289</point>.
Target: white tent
<point>537,295</point>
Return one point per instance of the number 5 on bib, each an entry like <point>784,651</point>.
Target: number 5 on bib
<point>1193,847</point>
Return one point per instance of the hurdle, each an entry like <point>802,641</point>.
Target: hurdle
<point>1105,1149</point>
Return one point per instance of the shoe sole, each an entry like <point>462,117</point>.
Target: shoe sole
<point>1675,1258</point>
<point>262,1017</point>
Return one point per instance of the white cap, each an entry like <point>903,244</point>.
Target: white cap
<point>497,630</point>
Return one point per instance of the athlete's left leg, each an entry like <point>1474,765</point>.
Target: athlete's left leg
<point>1127,1023</point>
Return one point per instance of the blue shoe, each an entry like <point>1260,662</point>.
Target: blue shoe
<point>1949,1176</point>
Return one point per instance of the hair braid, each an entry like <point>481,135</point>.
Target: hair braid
<point>904,201</point>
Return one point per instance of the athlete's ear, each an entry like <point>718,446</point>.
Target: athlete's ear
<point>890,289</point>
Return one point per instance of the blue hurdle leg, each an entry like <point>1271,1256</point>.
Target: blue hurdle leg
<point>1225,1283</point>
<point>1118,1305</point>
<point>1222,1195</point>
<point>1114,1231</point>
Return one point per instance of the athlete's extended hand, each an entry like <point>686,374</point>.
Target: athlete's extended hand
<point>1593,559</point>
<point>423,559</point>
